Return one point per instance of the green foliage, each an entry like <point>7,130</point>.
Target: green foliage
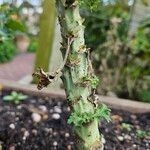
<point>15,25</point>
<point>140,43</point>
<point>123,65</point>
<point>142,133</point>
<point>90,4</point>
<point>144,96</point>
<point>73,59</point>
<point>92,80</point>
<point>33,46</point>
<point>10,22</point>
<point>7,51</point>
<point>15,97</point>
<point>79,119</point>
<point>127,126</point>
<point>10,25</point>
<point>102,112</point>
<point>97,23</point>
<point>139,63</point>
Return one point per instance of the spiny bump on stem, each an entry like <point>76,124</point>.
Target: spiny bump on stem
<point>89,80</point>
<point>73,60</point>
<point>82,49</point>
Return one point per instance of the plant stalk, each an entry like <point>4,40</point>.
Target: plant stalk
<point>46,35</point>
<point>75,73</point>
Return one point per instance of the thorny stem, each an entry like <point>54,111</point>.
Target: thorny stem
<point>78,78</point>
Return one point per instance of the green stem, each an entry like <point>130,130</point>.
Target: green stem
<point>76,73</point>
<point>46,35</point>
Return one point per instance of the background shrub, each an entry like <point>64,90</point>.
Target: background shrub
<point>121,61</point>
<point>33,46</point>
<point>7,51</point>
<point>10,26</point>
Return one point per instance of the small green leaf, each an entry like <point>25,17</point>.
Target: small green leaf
<point>8,98</point>
<point>127,126</point>
<point>14,93</point>
<point>94,82</point>
<point>78,119</point>
<point>15,97</point>
<point>103,112</point>
<point>22,97</point>
<point>142,133</point>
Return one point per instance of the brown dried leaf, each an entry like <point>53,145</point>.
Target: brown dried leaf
<point>44,79</point>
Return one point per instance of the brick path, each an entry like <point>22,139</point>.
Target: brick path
<point>19,67</point>
<point>22,65</point>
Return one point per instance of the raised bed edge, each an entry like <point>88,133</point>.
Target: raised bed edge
<point>112,102</point>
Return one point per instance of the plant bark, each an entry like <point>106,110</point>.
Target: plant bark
<point>76,69</point>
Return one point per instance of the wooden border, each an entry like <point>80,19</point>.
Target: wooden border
<point>112,102</point>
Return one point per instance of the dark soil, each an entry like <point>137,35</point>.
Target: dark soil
<point>18,130</point>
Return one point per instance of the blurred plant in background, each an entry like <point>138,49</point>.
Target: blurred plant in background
<point>33,45</point>
<point>10,26</point>
<point>7,50</point>
<point>138,69</point>
<point>30,12</point>
<point>98,22</point>
<point>19,27</point>
<point>121,62</point>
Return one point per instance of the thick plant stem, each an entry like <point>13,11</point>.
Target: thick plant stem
<point>46,35</point>
<point>75,73</point>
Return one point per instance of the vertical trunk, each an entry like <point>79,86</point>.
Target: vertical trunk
<point>78,80</point>
<point>46,36</point>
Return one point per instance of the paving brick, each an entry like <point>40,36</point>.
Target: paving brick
<point>19,67</point>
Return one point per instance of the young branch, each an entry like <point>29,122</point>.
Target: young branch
<point>44,79</point>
